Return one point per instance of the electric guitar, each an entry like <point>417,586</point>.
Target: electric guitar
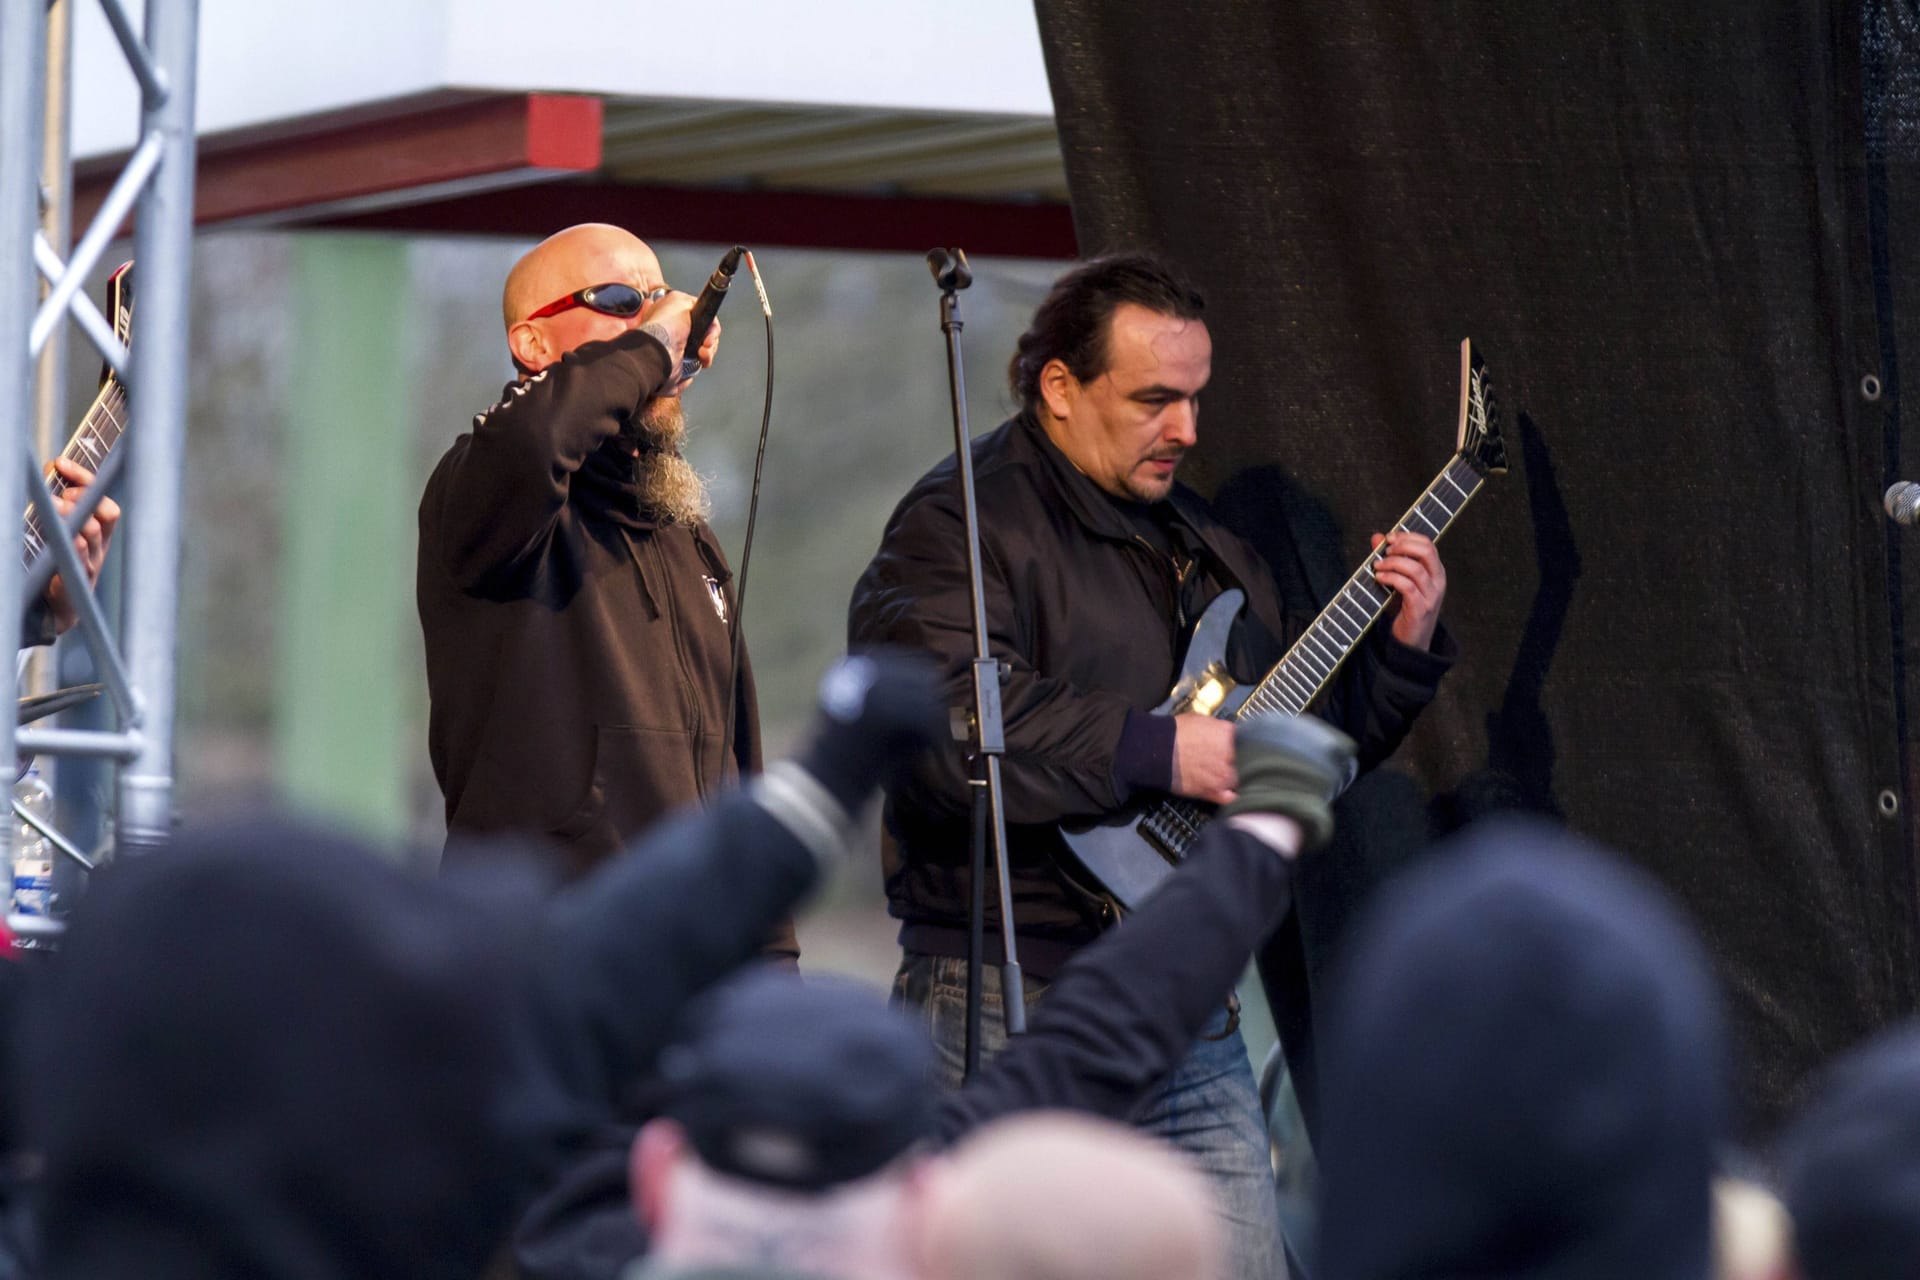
<point>1127,854</point>
<point>106,417</point>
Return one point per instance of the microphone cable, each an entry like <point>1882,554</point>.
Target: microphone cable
<point>746,548</point>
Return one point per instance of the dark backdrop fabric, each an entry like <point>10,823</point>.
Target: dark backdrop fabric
<point>1683,234</point>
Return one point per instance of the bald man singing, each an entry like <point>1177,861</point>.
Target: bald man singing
<point>575,603</point>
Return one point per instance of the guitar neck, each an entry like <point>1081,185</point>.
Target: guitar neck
<point>1309,666</point>
<point>98,432</point>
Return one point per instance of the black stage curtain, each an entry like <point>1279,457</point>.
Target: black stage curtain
<point>1684,236</point>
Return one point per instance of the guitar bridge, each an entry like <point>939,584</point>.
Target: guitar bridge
<point>1150,832</point>
<point>1171,828</point>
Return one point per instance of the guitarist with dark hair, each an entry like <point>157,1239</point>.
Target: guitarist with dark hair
<point>1096,566</point>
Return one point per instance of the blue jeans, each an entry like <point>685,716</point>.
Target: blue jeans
<point>1209,1107</point>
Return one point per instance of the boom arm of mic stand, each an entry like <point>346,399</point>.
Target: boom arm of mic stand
<point>988,808</point>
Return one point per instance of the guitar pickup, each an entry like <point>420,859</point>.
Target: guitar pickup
<point>1205,692</point>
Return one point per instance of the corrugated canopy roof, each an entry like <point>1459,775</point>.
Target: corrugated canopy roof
<point>840,149</point>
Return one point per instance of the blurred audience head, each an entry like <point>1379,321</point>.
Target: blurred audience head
<point>1065,1197</point>
<point>791,1131</point>
<point>1751,1236</point>
<point>793,1135</point>
<point>265,1052</point>
<point>1523,1072</point>
<point>1850,1165</point>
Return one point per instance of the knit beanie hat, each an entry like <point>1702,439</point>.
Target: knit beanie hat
<point>1523,1075</point>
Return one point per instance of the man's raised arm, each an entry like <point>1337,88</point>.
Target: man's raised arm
<point>496,495</point>
<point>1126,1010</point>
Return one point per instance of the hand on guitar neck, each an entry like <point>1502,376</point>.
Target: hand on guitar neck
<point>1401,583</point>
<point>70,481</point>
<point>1411,566</point>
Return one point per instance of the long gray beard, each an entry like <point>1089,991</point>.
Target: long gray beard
<point>670,489</point>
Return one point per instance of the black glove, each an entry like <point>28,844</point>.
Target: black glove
<point>1293,765</point>
<point>878,710</point>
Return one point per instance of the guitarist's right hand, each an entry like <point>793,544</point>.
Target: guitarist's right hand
<point>1203,767</point>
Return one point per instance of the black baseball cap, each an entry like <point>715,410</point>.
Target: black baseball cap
<point>804,1084</point>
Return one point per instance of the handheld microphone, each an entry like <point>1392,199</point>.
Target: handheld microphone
<point>1903,502</point>
<point>705,308</point>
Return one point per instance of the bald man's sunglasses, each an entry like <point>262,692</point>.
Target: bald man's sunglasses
<point>621,300</point>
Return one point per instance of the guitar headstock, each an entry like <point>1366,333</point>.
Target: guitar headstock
<point>1479,437</point>
<point>119,310</point>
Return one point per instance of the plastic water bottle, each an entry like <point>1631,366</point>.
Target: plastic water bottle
<point>32,853</point>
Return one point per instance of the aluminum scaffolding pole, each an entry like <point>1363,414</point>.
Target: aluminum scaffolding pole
<point>163,252</point>
<point>23,45</point>
<point>56,178</point>
<point>160,174</point>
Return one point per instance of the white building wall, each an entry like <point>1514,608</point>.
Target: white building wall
<point>267,60</point>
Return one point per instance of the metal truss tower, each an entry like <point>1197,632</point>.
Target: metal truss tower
<point>137,667</point>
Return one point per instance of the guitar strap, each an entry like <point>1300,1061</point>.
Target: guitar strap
<point>1251,648</point>
<point>1195,567</point>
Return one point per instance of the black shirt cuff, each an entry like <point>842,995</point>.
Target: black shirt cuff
<point>37,626</point>
<point>1423,666</point>
<point>1144,756</point>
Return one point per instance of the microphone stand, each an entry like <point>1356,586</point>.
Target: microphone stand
<point>951,274</point>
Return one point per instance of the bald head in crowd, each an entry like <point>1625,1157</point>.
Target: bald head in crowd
<point>1045,1196</point>
<point>797,1125</point>
<point>1065,1197</point>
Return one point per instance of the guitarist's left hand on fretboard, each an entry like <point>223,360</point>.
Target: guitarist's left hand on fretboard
<point>70,481</point>
<point>1411,566</point>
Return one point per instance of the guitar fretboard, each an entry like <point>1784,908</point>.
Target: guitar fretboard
<point>1309,666</point>
<point>99,431</point>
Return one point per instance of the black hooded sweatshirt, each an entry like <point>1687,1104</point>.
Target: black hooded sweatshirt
<point>578,649</point>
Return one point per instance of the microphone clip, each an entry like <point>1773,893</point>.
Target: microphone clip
<point>950,269</point>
